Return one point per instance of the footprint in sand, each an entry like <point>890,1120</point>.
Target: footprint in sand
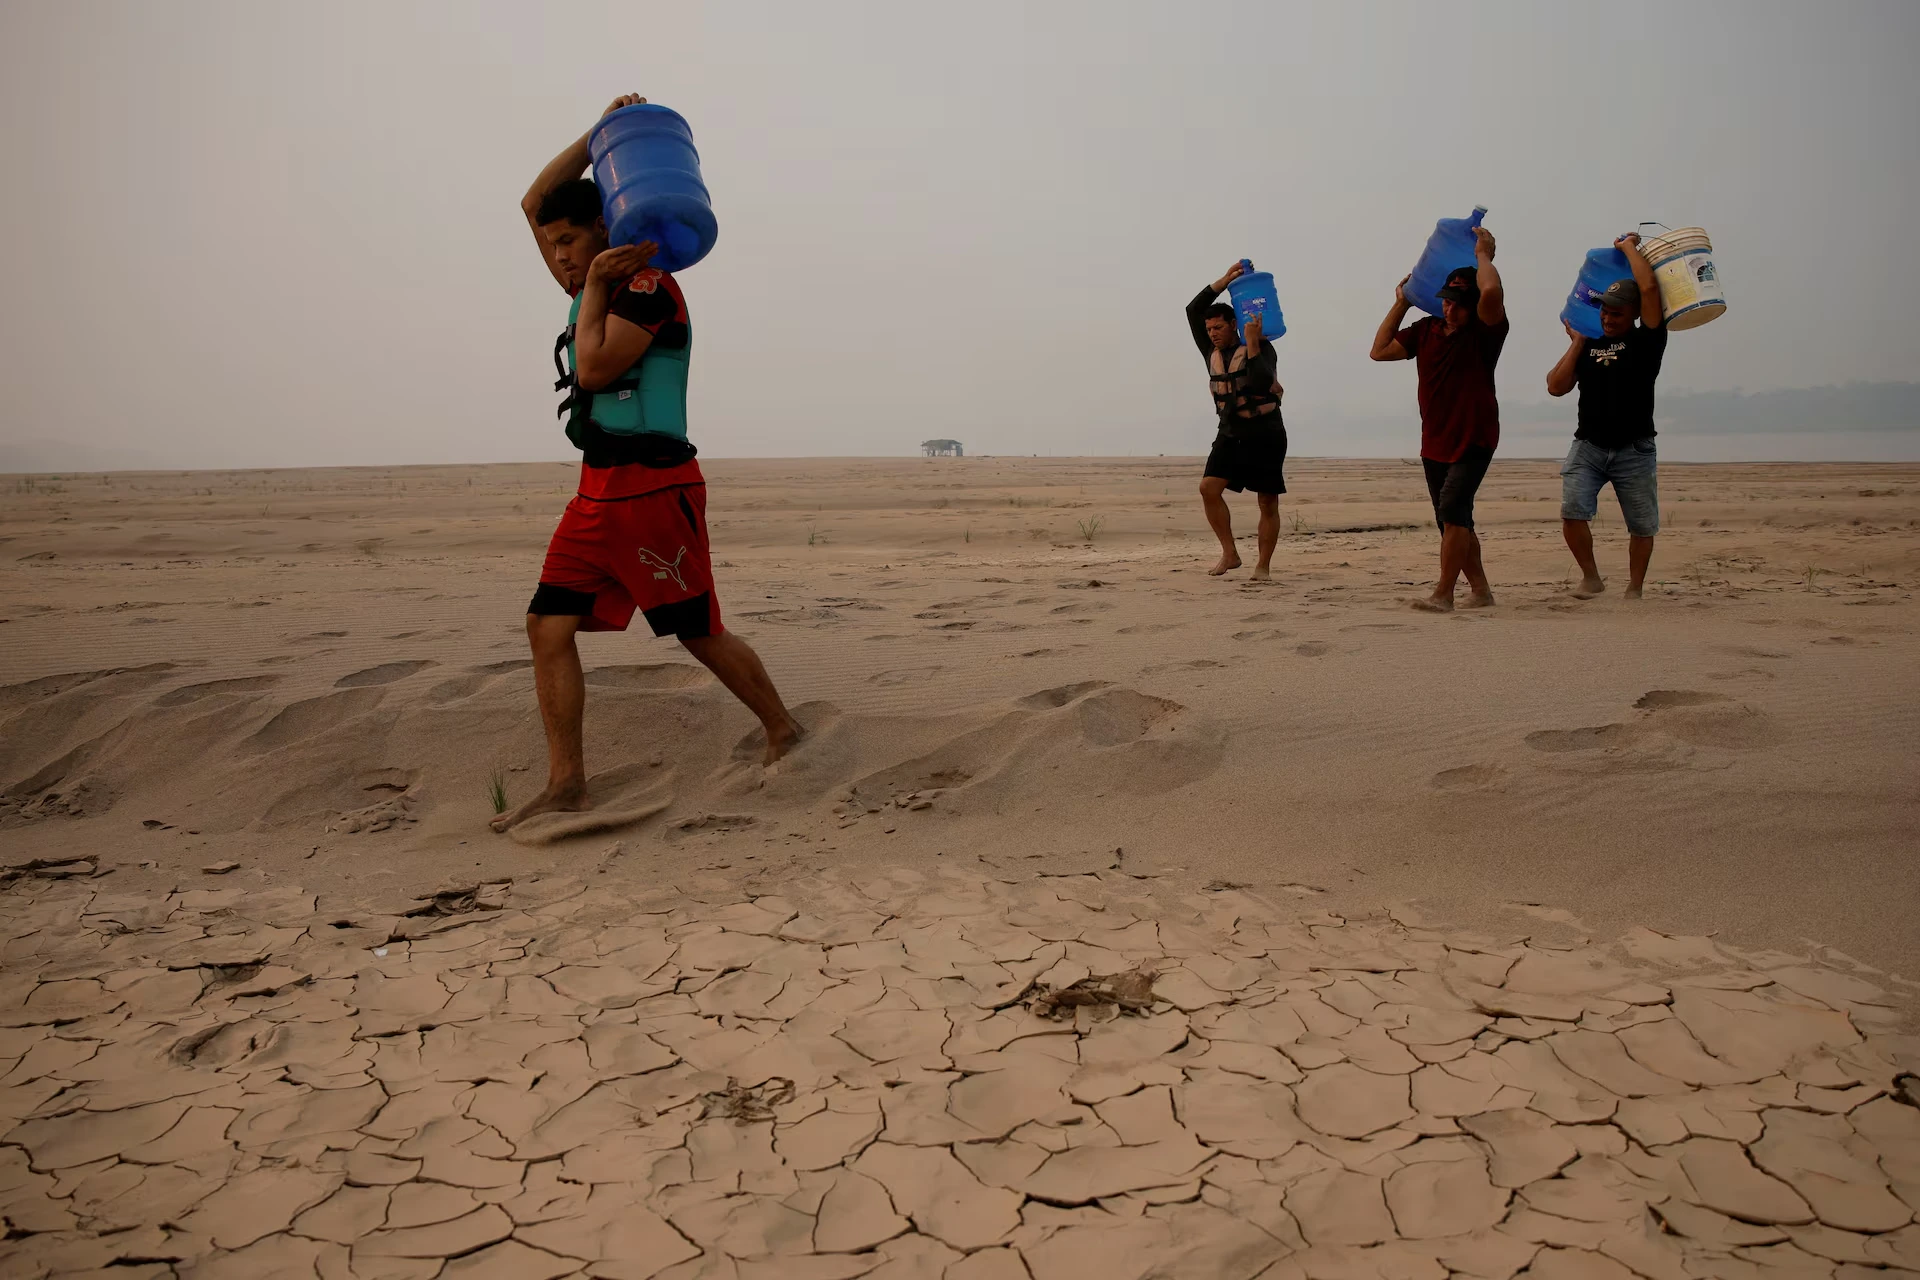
<point>1469,777</point>
<point>903,675</point>
<point>1191,664</point>
<point>1313,648</point>
<point>1749,651</point>
<point>1263,634</point>
<point>1659,699</point>
<point>1733,727</point>
<point>385,673</point>
<point>1593,738</point>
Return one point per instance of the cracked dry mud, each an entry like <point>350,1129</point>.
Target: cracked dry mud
<point>546,1080</point>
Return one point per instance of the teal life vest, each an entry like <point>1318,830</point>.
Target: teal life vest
<point>641,416</point>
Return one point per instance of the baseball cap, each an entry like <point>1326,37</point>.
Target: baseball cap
<point>1462,286</point>
<point>1621,295</point>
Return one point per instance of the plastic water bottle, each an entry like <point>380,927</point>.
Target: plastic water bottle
<point>1451,245</point>
<point>1253,295</point>
<point>1602,268</point>
<point>650,185</point>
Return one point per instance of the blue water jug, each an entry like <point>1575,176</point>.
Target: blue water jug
<point>649,176</point>
<point>1602,268</point>
<point>1253,295</point>
<point>1450,246</point>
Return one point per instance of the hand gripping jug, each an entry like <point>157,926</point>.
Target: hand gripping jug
<point>1602,268</point>
<point>650,187</point>
<point>1253,295</point>
<point>1450,246</point>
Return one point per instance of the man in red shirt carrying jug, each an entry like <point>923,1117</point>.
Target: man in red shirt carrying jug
<point>1455,353</point>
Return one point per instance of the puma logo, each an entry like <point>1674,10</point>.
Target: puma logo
<point>666,568</point>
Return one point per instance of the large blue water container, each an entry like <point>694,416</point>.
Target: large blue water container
<point>1602,268</point>
<point>1450,246</point>
<point>649,176</point>
<point>1253,295</point>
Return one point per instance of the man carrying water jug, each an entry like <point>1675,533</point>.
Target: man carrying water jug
<point>1613,443</point>
<point>1455,353</point>
<point>1250,449</point>
<point>635,535</point>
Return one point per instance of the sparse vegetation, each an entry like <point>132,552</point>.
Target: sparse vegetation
<point>497,790</point>
<point>1090,528</point>
<point>813,535</point>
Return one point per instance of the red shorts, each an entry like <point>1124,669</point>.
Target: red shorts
<point>610,556</point>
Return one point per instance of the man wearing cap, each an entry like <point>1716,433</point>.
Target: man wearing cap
<point>1614,441</point>
<point>1455,353</point>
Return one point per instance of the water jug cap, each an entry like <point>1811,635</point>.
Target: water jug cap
<point>1246,266</point>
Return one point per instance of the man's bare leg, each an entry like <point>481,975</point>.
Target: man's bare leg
<point>1221,520</point>
<point>1453,555</point>
<point>1479,593</point>
<point>1579,536</point>
<point>1639,556</point>
<point>562,689</point>
<point>1459,555</point>
<point>1269,534</point>
<point>740,669</point>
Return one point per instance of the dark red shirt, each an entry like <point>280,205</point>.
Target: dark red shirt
<point>1458,408</point>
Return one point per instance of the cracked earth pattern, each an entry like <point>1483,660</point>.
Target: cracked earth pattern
<point>549,1080</point>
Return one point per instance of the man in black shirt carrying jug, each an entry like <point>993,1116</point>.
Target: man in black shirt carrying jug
<point>1250,449</point>
<point>1614,441</point>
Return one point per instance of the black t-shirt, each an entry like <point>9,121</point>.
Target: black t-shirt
<point>652,300</point>
<point>1615,377</point>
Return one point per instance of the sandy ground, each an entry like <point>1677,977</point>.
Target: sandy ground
<point>1021,684</point>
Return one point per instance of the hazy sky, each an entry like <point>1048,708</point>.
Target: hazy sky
<point>250,234</point>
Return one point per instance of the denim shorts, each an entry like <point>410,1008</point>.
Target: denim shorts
<point>1631,471</point>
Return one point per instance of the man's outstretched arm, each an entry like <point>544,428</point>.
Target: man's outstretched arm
<point>565,167</point>
<point>604,345</point>
<point>1197,309</point>
<point>1493,294</point>
<point>1653,312</point>
<point>1386,339</point>
<point>1564,375</point>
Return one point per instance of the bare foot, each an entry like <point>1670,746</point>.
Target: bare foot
<point>1228,560</point>
<point>1631,593</point>
<point>1589,588</point>
<point>1478,600</point>
<point>783,741</point>
<point>1261,573</point>
<point>1433,604</point>
<point>568,797</point>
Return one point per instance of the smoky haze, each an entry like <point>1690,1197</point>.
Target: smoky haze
<point>270,234</point>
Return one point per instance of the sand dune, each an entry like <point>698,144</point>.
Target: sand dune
<point>327,667</point>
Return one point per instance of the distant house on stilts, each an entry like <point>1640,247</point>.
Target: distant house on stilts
<point>942,449</point>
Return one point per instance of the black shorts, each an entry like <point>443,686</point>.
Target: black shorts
<point>1255,459</point>
<point>1453,484</point>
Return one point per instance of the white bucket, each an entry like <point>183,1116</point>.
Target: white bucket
<point>1682,263</point>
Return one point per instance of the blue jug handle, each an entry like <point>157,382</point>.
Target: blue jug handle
<point>1246,267</point>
